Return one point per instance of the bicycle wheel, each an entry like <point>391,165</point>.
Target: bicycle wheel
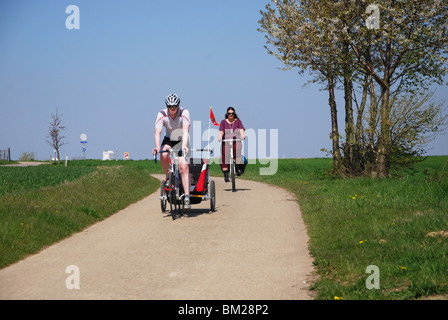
<point>212,195</point>
<point>174,204</point>
<point>171,194</point>
<point>232,174</point>
<point>163,196</point>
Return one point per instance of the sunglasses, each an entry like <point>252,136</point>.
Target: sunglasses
<point>230,113</point>
<point>173,107</point>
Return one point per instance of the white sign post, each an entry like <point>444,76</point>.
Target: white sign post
<point>84,141</point>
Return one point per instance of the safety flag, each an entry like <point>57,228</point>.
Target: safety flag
<point>212,117</point>
<point>200,185</point>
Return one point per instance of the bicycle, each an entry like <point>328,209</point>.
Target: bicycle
<point>172,190</point>
<point>232,164</point>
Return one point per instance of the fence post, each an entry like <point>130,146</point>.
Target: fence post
<point>9,154</point>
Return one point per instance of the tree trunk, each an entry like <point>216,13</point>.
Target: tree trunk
<point>383,156</point>
<point>349,122</point>
<point>360,149</point>
<point>372,129</point>
<point>337,163</point>
<point>359,127</point>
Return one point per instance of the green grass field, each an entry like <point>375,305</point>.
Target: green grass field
<point>394,224</point>
<point>15,179</point>
<point>42,205</point>
<point>361,222</point>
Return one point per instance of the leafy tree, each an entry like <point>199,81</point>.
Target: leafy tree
<point>296,35</point>
<point>405,50</point>
<point>416,119</point>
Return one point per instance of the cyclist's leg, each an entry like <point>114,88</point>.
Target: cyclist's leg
<point>225,160</point>
<point>185,175</point>
<point>225,156</point>
<point>185,172</point>
<point>238,161</point>
<point>237,148</point>
<point>165,156</point>
<point>184,169</point>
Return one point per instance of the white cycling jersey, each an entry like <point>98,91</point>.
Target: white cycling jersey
<point>164,120</point>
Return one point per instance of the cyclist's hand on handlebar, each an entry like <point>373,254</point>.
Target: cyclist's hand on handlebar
<point>155,151</point>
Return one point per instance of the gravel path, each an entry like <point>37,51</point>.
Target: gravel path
<point>254,246</point>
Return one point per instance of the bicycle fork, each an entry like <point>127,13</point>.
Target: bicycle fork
<point>176,179</point>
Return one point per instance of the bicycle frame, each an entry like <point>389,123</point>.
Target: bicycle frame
<point>174,170</point>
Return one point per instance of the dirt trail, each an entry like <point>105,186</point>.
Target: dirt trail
<point>25,164</point>
<point>254,246</point>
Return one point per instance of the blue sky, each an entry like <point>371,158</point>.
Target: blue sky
<point>110,78</point>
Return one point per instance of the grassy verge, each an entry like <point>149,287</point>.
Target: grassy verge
<point>6,162</point>
<point>16,179</point>
<point>33,216</point>
<point>361,222</point>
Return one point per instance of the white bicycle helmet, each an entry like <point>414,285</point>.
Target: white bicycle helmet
<point>172,100</point>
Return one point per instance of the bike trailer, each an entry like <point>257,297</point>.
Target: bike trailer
<point>199,175</point>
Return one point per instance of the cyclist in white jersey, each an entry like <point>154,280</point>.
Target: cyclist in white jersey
<point>177,130</point>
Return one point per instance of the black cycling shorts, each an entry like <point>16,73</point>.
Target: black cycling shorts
<point>175,145</point>
<point>171,143</point>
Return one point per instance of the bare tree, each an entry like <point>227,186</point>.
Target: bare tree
<point>55,137</point>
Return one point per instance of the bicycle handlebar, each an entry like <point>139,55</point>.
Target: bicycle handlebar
<point>231,140</point>
<point>180,153</point>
